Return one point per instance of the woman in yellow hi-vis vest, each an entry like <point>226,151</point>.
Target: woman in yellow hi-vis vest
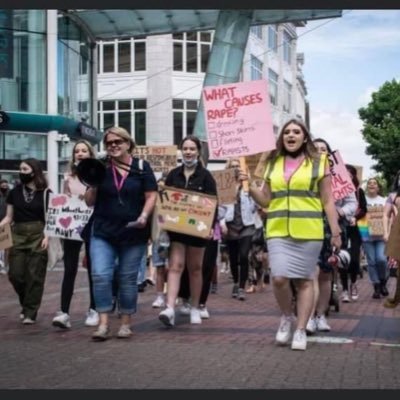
<point>297,190</point>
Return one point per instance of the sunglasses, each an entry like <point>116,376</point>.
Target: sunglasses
<point>117,142</point>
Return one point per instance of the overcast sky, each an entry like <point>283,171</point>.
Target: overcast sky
<point>346,59</point>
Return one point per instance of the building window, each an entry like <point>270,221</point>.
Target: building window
<point>184,114</point>
<point>108,57</point>
<point>191,51</point>
<point>84,59</point>
<point>287,47</point>
<point>18,146</point>
<point>256,68</point>
<point>287,90</point>
<point>129,114</point>
<point>273,38</point>
<point>257,31</point>
<point>123,56</point>
<point>273,86</point>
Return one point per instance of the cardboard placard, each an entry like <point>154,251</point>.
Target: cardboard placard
<point>393,243</point>
<point>262,163</point>
<point>160,158</point>
<point>184,211</point>
<point>375,220</point>
<point>226,185</point>
<point>66,216</point>
<point>5,237</point>
<point>238,119</point>
<point>342,185</point>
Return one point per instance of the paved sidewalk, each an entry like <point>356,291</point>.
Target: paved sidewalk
<point>234,349</point>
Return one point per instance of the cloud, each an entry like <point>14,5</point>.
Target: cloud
<point>366,97</point>
<point>352,35</point>
<point>342,130</point>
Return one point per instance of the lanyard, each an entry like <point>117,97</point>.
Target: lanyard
<point>119,184</point>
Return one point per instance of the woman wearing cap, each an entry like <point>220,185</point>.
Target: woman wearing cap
<point>122,204</point>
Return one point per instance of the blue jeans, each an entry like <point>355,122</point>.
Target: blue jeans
<point>142,269</point>
<point>125,259</point>
<point>377,264</point>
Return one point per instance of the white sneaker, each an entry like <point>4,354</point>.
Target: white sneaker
<point>322,324</point>
<point>62,320</point>
<point>284,330</point>
<point>204,314</point>
<point>167,316</point>
<point>299,341</point>
<point>184,309</point>
<point>311,326</point>
<point>92,318</point>
<point>28,321</point>
<point>159,302</point>
<point>345,297</point>
<point>354,291</point>
<point>195,317</point>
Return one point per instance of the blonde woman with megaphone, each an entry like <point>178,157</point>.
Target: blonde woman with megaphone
<point>123,202</point>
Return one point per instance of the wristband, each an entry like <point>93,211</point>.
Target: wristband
<point>336,235</point>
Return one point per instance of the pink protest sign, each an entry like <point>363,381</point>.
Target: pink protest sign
<point>342,184</point>
<point>238,119</point>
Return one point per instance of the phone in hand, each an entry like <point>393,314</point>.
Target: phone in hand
<point>133,224</point>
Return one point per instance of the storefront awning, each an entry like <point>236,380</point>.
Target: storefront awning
<point>112,24</point>
<point>43,123</point>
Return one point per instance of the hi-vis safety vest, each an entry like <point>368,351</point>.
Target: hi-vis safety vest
<point>295,209</point>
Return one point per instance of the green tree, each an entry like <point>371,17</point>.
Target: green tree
<point>381,129</point>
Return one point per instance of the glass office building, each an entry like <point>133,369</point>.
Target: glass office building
<point>46,70</point>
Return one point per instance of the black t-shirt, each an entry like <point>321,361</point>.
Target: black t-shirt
<point>112,211</point>
<point>27,211</point>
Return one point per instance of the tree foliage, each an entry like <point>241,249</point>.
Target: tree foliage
<point>381,129</point>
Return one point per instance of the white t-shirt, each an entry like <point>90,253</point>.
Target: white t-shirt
<point>375,201</point>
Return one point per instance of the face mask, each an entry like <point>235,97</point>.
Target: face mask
<point>190,163</point>
<point>26,178</point>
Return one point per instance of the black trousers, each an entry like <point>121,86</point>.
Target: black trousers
<point>72,249</point>
<point>239,259</point>
<point>354,236</point>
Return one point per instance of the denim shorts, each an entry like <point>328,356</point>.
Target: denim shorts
<point>159,256</point>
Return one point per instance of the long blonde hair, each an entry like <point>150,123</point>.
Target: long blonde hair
<point>72,162</point>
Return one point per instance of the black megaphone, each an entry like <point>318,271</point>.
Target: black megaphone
<point>91,171</point>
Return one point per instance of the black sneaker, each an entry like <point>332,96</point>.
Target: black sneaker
<point>241,295</point>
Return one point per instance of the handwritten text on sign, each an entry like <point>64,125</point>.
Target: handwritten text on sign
<point>238,119</point>
<point>375,220</point>
<point>66,216</point>
<point>226,185</point>
<point>342,184</point>
<point>186,212</point>
<point>160,158</point>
